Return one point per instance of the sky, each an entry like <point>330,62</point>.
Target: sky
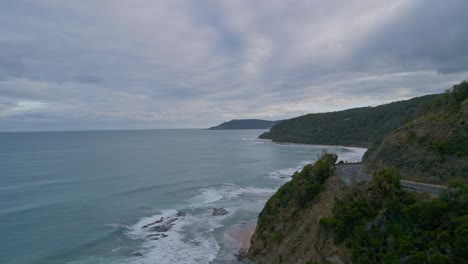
<point>142,64</point>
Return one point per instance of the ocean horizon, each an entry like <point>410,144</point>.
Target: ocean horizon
<point>139,196</point>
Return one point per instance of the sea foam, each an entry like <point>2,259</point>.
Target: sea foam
<point>188,240</point>
<point>187,235</point>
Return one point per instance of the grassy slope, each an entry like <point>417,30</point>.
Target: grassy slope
<point>358,126</point>
<point>433,147</point>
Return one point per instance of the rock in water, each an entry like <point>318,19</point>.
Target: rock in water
<point>219,211</point>
<point>180,214</point>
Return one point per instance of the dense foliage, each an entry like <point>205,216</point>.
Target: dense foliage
<point>450,109</point>
<point>433,146</point>
<point>295,195</point>
<point>382,223</point>
<point>358,126</point>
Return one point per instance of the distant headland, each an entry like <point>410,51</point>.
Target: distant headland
<point>245,124</point>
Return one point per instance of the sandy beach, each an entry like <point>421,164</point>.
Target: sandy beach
<point>247,235</point>
<point>242,233</point>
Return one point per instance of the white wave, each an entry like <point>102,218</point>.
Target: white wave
<point>115,225</point>
<point>351,154</point>
<point>189,240</point>
<point>286,173</point>
<point>207,196</point>
<point>137,231</point>
<point>346,154</point>
<point>257,140</point>
<point>225,192</point>
<point>190,236</point>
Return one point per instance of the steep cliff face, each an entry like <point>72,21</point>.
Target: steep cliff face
<point>433,147</point>
<point>288,229</point>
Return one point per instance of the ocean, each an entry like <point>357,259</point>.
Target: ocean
<point>145,196</point>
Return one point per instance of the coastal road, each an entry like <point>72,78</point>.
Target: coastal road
<point>350,172</point>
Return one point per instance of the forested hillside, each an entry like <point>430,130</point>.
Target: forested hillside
<point>358,126</point>
<point>433,147</point>
<point>316,218</point>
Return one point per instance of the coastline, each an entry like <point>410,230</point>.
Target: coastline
<point>366,146</point>
<point>242,234</point>
<point>247,236</point>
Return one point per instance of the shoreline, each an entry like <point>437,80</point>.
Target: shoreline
<point>314,144</point>
<point>247,236</point>
<point>242,234</point>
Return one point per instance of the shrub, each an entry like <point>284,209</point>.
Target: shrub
<point>382,223</point>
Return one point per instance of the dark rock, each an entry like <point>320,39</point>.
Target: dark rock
<point>136,254</point>
<point>153,236</point>
<point>164,227</point>
<point>180,214</point>
<point>161,228</point>
<point>241,255</point>
<point>156,222</point>
<point>219,211</point>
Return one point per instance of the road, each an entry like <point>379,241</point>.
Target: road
<point>350,172</point>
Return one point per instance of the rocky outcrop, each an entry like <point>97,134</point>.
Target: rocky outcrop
<point>219,211</point>
<point>288,229</point>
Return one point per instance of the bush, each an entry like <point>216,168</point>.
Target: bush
<point>300,192</point>
<point>382,223</point>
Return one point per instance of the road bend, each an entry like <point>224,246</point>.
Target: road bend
<point>352,172</point>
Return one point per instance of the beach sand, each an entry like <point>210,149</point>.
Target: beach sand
<point>246,239</point>
<point>242,233</point>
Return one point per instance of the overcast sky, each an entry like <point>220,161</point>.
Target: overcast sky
<point>118,64</point>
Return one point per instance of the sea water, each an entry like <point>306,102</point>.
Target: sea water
<point>100,196</point>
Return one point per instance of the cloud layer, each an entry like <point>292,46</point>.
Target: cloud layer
<point>109,64</point>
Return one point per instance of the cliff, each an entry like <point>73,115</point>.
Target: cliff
<point>316,219</point>
<point>433,146</point>
<point>288,229</point>
<point>245,124</point>
<point>380,222</point>
<point>352,127</point>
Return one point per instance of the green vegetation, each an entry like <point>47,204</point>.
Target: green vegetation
<point>358,126</point>
<point>425,138</point>
<point>433,146</point>
<point>304,186</point>
<point>288,225</point>
<point>299,192</point>
<point>382,223</point>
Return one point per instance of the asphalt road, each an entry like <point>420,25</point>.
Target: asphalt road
<point>351,172</point>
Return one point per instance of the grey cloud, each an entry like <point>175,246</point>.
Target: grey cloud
<point>121,64</point>
<point>431,35</point>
